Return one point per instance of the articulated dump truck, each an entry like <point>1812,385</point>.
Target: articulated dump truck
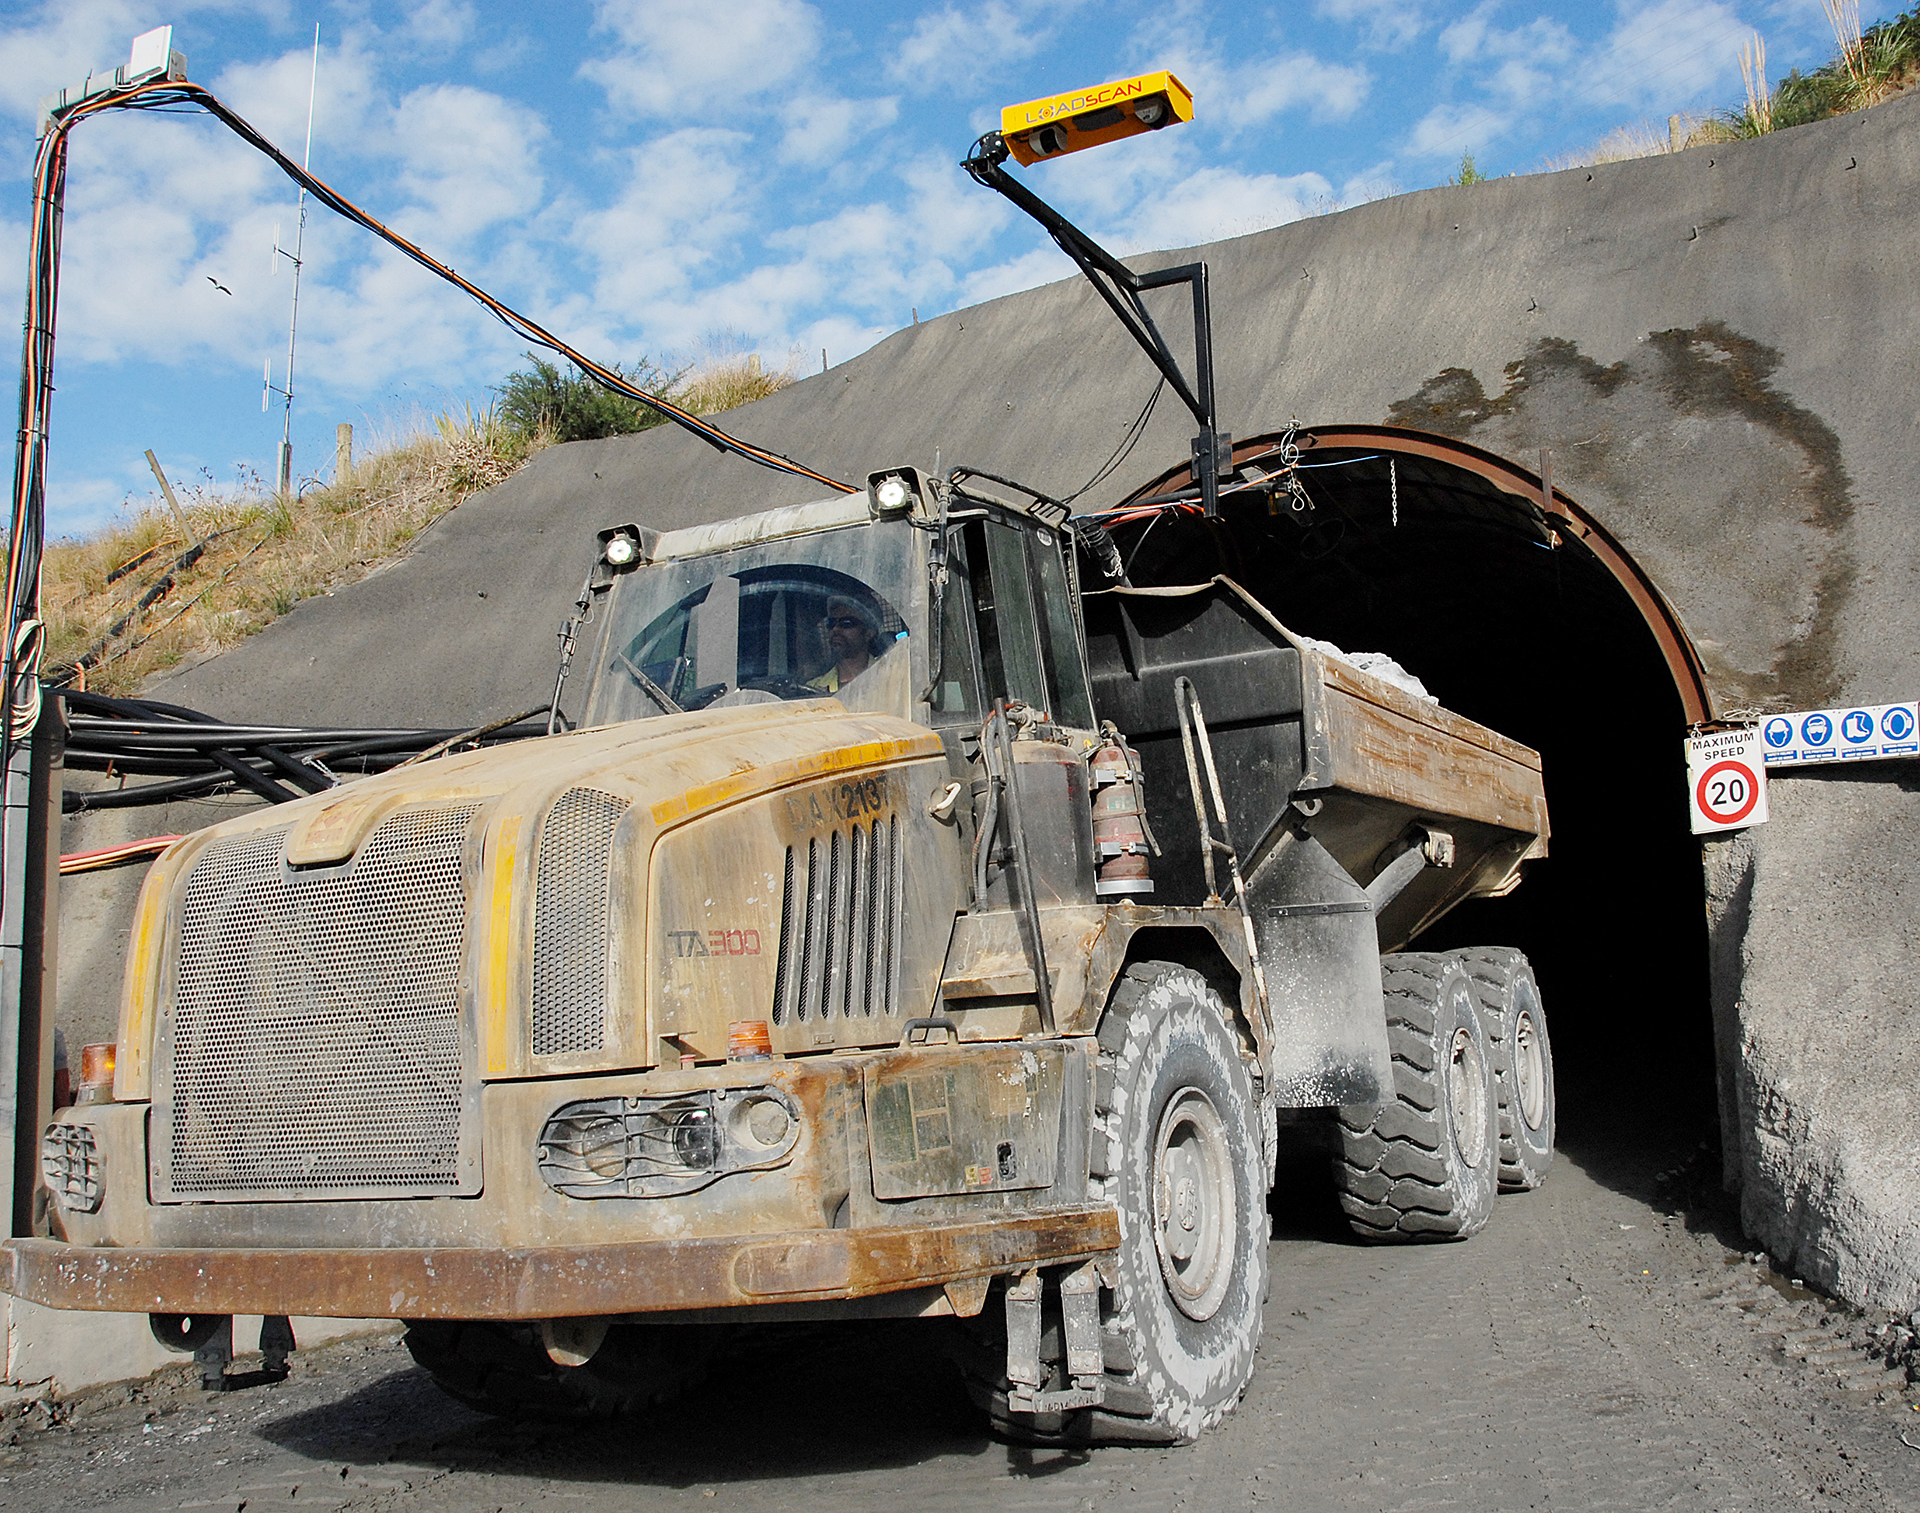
<point>914,925</point>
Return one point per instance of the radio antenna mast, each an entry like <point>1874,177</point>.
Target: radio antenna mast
<point>285,470</point>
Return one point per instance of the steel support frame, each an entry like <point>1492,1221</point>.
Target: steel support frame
<point>1121,288</point>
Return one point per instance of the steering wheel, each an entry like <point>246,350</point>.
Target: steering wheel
<point>785,688</point>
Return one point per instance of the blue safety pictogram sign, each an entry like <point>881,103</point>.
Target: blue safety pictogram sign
<point>1867,731</point>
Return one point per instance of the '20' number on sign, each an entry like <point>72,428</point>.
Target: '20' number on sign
<point>1727,791</point>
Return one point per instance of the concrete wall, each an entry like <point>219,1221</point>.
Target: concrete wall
<point>55,1353</point>
<point>1716,346</point>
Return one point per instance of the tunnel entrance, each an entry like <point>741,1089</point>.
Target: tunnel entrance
<point>1530,620</point>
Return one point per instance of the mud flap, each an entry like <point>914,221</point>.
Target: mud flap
<point>1320,951</point>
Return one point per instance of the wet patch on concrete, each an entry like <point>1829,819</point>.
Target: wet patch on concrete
<point>1733,495</point>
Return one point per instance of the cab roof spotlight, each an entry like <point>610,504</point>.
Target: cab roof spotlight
<point>1059,124</point>
<point>893,491</point>
<point>625,546</point>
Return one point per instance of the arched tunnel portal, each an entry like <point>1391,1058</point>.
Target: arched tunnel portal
<point>1518,609</point>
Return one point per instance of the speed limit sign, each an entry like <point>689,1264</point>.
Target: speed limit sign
<point>1727,779</point>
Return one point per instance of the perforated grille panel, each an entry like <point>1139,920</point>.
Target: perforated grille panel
<point>314,1046</point>
<point>570,923</point>
<point>840,925</point>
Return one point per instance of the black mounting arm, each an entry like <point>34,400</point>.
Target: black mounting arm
<point>1121,288</point>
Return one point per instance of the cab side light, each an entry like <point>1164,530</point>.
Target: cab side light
<point>96,1073</point>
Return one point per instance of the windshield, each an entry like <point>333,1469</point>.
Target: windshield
<point>811,617</point>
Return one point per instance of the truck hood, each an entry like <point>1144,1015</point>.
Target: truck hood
<point>654,775</point>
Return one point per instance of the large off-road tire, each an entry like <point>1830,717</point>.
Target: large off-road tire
<point>1426,1165</point>
<point>1522,1062</point>
<point>1178,1147</point>
<point>504,1368</point>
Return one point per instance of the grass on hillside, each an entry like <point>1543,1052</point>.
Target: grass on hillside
<point>1868,66</point>
<point>136,598</point>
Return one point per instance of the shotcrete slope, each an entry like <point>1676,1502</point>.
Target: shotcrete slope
<point>1717,345</point>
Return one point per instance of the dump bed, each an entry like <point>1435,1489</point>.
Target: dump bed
<point>1307,745</point>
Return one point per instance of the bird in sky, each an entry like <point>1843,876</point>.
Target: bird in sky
<point>220,286</point>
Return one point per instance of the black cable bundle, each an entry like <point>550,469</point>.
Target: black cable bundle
<point>193,755</point>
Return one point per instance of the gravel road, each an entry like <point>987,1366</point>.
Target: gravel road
<point>1603,1345</point>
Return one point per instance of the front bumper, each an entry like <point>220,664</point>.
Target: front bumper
<point>574,1281</point>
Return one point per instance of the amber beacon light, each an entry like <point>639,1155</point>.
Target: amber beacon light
<point>1087,117</point>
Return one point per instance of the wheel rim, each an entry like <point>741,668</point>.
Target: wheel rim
<point>1529,1070</point>
<point>1467,1094</point>
<point>1196,1208</point>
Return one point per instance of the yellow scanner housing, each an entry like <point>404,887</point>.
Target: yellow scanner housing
<point>1081,118</point>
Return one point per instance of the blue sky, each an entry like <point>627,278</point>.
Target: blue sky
<point>671,178</point>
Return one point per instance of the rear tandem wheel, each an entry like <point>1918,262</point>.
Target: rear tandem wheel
<point>1426,1165</point>
<point>1522,1062</point>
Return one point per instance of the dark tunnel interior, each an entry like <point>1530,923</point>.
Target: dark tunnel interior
<point>1458,582</point>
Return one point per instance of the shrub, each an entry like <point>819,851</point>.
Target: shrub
<point>571,406</point>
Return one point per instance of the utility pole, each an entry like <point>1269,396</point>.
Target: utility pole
<point>30,737</point>
<point>284,470</point>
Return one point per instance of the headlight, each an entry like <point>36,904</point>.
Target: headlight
<point>657,1147</point>
<point>70,1163</point>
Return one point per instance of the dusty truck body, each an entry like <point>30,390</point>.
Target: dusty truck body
<point>821,978</point>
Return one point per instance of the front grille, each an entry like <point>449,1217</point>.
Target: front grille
<point>840,925</point>
<point>314,1046</point>
<point>571,921</point>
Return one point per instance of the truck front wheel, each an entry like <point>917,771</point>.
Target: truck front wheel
<point>1426,1165</point>
<point>1177,1140</point>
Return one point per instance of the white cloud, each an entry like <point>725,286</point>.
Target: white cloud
<point>390,319</point>
<point>1447,131</point>
<point>1328,91</point>
<point>1517,62</point>
<point>684,204</point>
<point>678,55</point>
<point>957,45</point>
<point>1473,38</point>
<point>821,128</point>
<point>156,206</point>
<point>351,113</point>
<point>1384,23</point>
<point>1248,90</point>
<point>470,157</point>
<point>69,39</point>
<point>87,503</point>
<point>1216,203</point>
<point>1664,52</point>
<point>440,23</point>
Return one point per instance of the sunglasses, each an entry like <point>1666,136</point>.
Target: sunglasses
<point>842,622</point>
